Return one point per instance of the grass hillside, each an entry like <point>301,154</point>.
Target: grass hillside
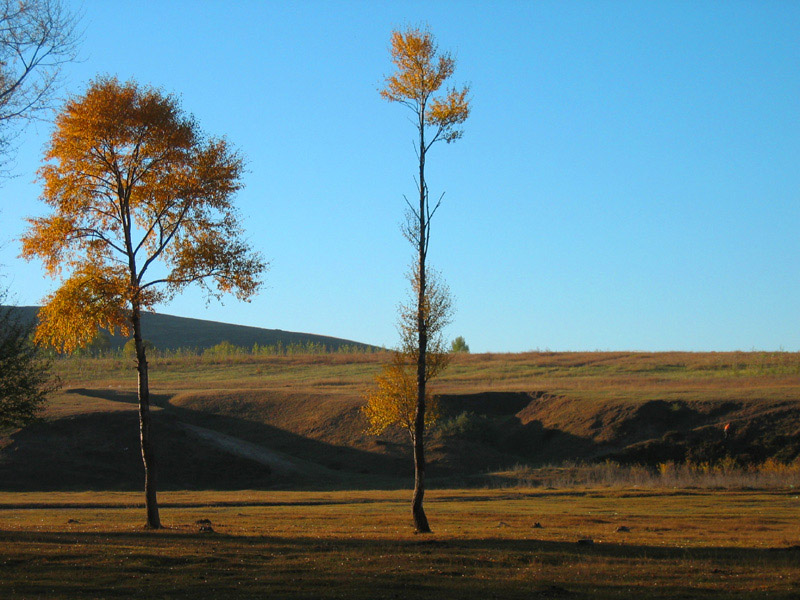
<point>168,332</point>
<point>294,422</point>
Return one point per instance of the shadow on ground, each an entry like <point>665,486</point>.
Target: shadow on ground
<point>183,565</point>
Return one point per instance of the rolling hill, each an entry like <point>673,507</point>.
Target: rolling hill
<point>294,422</point>
<point>168,332</point>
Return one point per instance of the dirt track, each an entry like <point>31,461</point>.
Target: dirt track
<point>277,461</point>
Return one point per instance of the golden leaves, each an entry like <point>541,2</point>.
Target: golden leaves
<point>448,112</point>
<point>46,238</point>
<point>134,182</point>
<point>421,72</point>
<point>92,297</point>
<point>393,401</point>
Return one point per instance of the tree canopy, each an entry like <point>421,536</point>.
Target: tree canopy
<point>459,344</point>
<point>421,70</point>
<point>133,182</point>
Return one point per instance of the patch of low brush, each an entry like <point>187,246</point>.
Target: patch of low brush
<point>724,474</point>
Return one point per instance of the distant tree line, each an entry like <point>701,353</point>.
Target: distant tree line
<point>101,348</point>
<point>292,348</point>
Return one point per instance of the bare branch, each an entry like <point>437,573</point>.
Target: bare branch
<point>37,37</point>
<point>164,242</point>
<point>435,208</point>
<point>98,235</point>
<point>411,207</point>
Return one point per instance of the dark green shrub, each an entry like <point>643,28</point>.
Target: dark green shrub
<point>467,425</point>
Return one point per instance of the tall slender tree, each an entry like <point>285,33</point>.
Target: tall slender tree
<point>142,208</point>
<point>421,72</point>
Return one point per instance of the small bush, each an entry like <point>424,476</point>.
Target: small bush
<point>129,349</point>
<point>468,425</point>
<point>223,350</point>
<point>459,345</point>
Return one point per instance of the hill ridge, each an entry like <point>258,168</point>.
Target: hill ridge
<point>172,332</point>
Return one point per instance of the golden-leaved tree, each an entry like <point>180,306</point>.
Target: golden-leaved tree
<point>421,72</point>
<point>393,399</point>
<point>141,208</point>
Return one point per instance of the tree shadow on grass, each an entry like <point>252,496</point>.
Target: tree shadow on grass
<point>101,450</point>
<point>199,565</point>
<point>123,396</point>
<point>425,544</point>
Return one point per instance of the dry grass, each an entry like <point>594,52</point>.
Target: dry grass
<point>593,375</point>
<point>358,545</point>
<point>679,543</point>
<point>726,474</point>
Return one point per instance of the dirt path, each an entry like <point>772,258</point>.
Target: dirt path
<point>277,461</point>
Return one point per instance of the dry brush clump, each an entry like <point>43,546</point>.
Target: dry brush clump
<point>724,474</point>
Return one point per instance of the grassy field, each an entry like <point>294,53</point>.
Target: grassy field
<point>583,375</point>
<point>651,535</point>
<point>668,544</point>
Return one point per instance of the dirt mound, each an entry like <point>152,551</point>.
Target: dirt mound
<point>326,429</point>
<point>552,429</point>
<point>291,439</point>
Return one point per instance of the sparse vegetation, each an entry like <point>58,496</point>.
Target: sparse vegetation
<point>626,408</point>
<point>170,337</point>
<point>724,474</point>
<point>666,530</point>
<point>468,425</point>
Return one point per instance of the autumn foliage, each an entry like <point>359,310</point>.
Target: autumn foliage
<point>393,399</point>
<point>421,71</point>
<point>132,181</point>
<point>141,208</point>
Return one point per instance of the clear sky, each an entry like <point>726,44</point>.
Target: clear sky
<point>629,178</point>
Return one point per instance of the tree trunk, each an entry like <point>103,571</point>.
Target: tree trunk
<point>417,511</point>
<point>148,457</point>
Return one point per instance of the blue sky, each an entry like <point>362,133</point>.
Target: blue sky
<point>629,178</point>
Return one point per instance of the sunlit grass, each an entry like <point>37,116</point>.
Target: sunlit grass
<point>360,545</point>
<point>592,375</point>
<point>677,542</point>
